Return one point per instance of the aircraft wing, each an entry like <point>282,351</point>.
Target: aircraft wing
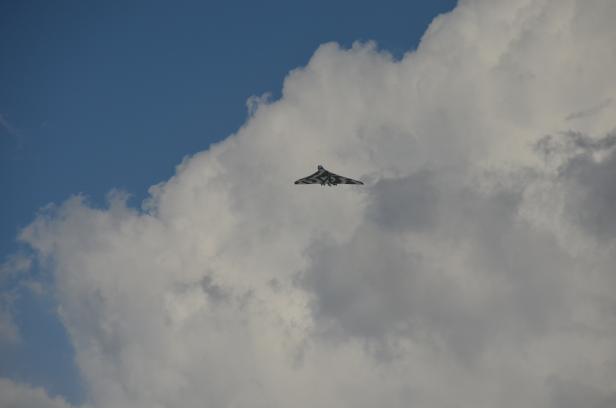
<point>336,179</point>
<point>311,179</point>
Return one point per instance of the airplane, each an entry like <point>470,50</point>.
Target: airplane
<point>324,177</point>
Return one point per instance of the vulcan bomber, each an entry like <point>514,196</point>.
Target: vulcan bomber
<point>326,177</point>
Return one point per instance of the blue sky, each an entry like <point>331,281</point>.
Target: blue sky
<point>108,95</point>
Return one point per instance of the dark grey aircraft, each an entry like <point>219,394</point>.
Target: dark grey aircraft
<point>323,177</point>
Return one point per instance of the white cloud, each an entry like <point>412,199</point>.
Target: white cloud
<point>469,271</point>
<point>14,395</point>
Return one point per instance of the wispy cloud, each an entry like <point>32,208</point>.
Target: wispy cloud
<point>14,264</point>
<point>11,131</point>
<point>13,269</point>
<point>9,332</point>
<point>8,127</point>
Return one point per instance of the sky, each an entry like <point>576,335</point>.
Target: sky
<point>157,254</point>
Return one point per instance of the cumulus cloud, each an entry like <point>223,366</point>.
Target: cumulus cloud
<point>14,395</point>
<point>475,268</point>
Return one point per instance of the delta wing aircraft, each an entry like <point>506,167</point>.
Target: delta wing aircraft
<point>323,177</point>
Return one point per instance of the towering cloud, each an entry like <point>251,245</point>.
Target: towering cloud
<point>475,268</point>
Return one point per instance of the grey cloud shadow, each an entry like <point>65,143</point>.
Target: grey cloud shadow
<point>405,203</point>
<point>588,173</point>
<point>377,289</point>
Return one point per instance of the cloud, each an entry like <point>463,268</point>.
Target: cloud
<point>13,269</point>
<point>589,176</point>
<point>9,332</point>
<point>14,395</point>
<point>475,267</point>
<point>14,265</point>
<point>568,394</point>
<point>478,276</point>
